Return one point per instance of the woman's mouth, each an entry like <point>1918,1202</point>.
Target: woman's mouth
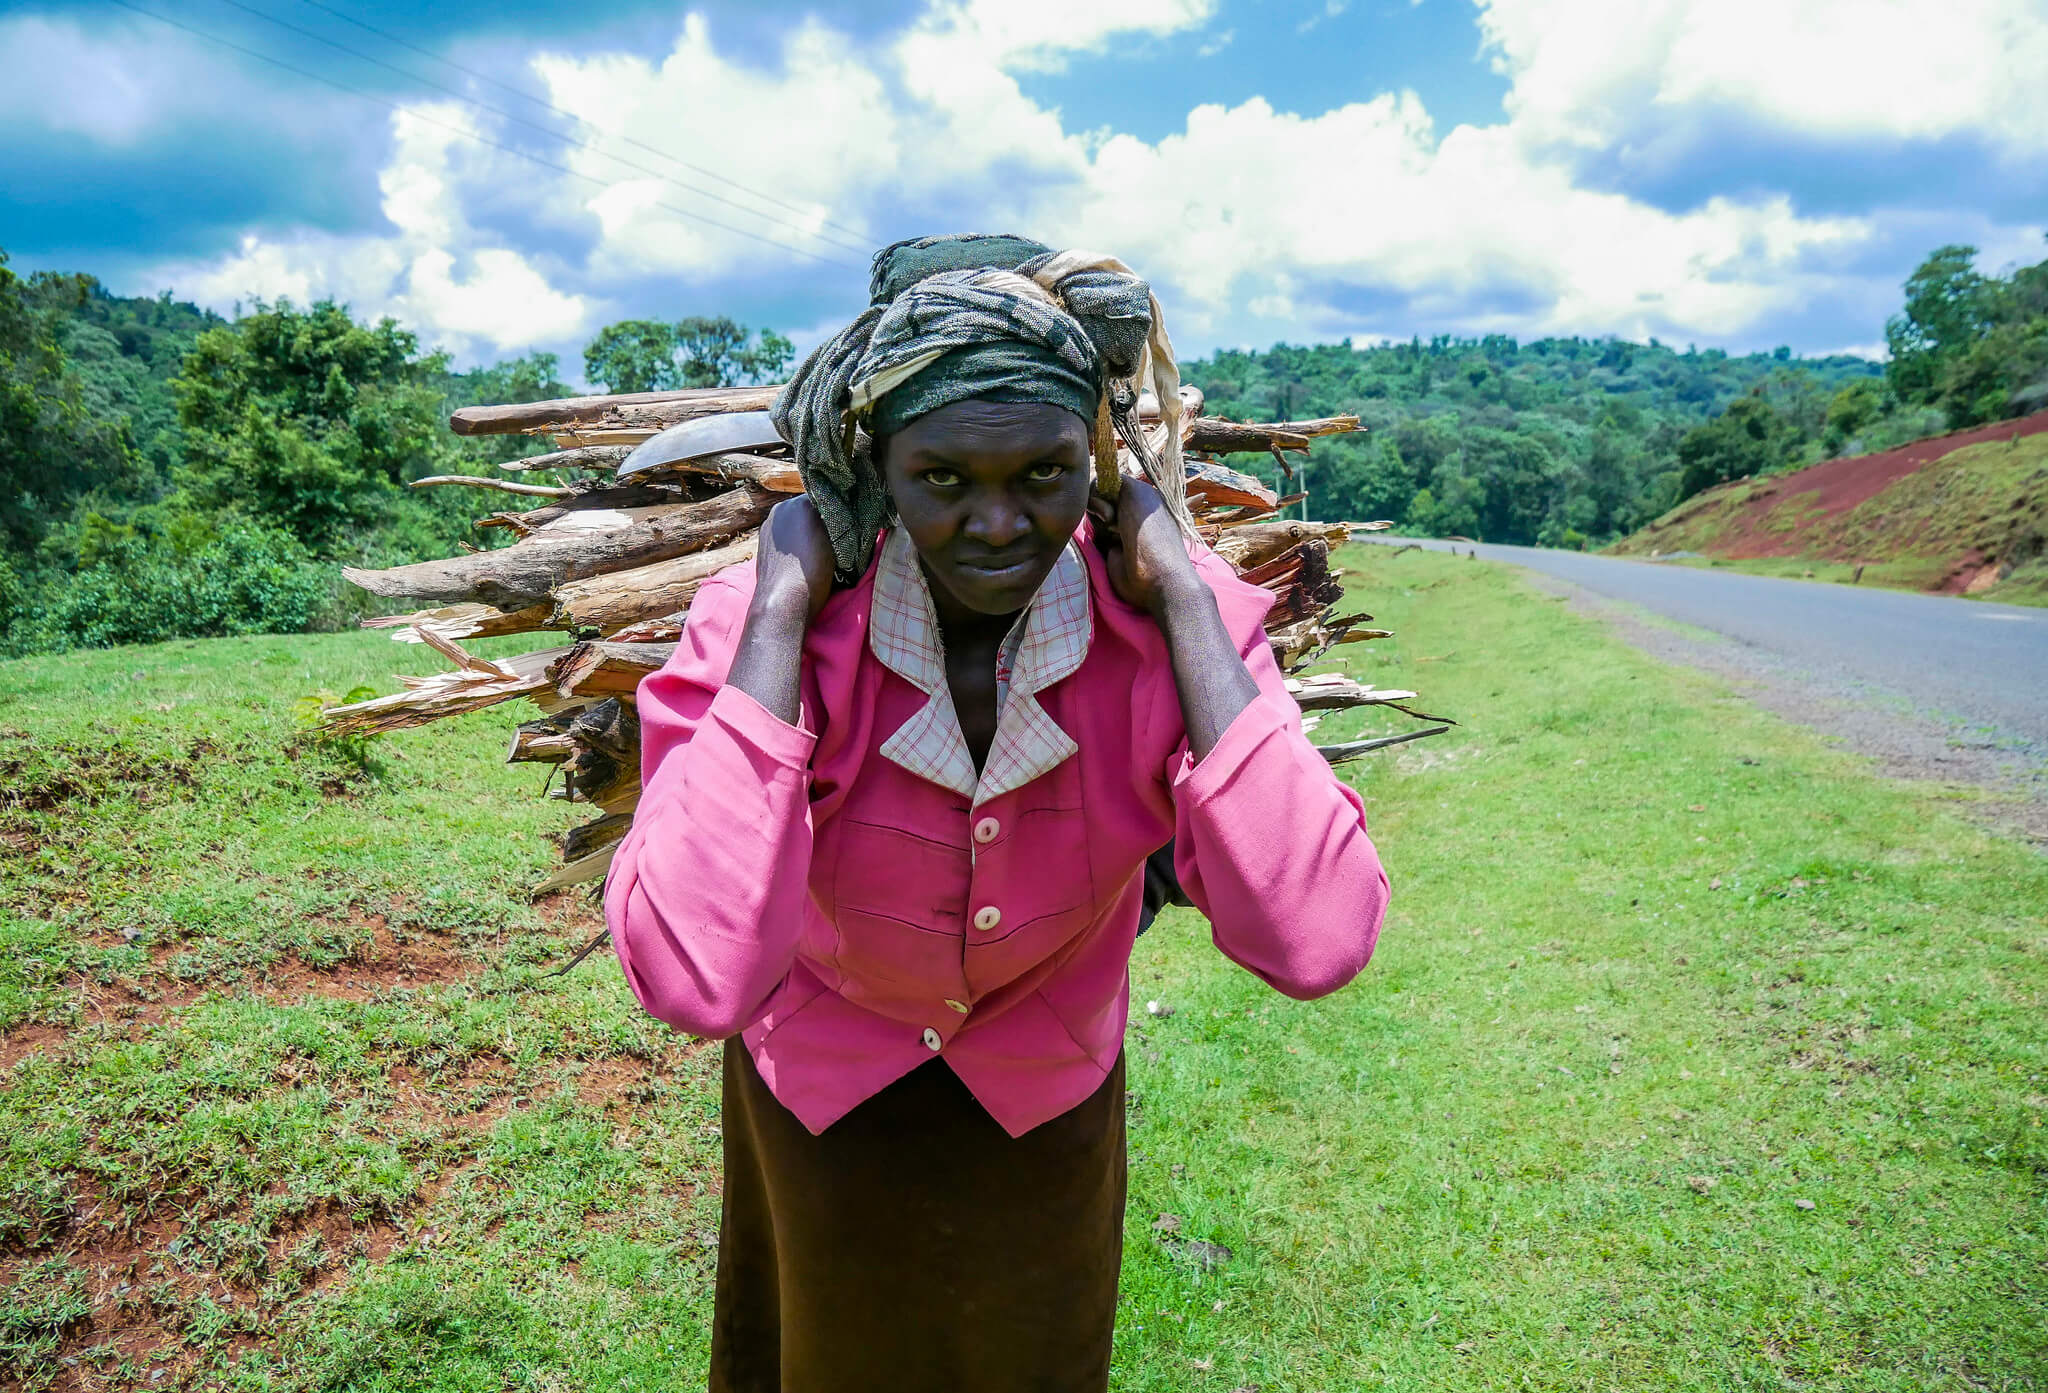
<point>1000,568</point>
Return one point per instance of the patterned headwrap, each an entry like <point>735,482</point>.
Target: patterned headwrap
<point>978,317</point>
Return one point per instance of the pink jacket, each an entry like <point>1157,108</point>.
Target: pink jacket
<point>799,886</point>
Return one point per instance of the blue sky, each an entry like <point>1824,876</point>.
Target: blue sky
<point>512,176</point>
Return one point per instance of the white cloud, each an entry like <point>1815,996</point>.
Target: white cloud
<point>1254,222</point>
<point>435,274</point>
<point>1591,72</point>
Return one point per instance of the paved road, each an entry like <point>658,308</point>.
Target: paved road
<point>1981,665</point>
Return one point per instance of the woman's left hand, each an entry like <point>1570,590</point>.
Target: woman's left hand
<point>1147,559</point>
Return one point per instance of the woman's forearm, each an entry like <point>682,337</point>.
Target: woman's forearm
<point>1214,684</point>
<point>768,663</point>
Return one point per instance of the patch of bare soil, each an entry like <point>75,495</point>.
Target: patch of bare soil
<point>151,996</point>
<point>1902,743</point>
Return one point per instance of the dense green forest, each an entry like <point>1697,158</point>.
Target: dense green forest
<point>165,471</point>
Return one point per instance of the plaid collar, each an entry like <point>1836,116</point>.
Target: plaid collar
<point>1047,643</point>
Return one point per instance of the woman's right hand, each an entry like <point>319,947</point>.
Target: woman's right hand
<point>793,561</point>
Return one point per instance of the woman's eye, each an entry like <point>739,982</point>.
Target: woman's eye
<point>941,478</point>
<point>1046,473</point>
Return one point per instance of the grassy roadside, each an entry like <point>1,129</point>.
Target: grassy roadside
<point>290,1105</point>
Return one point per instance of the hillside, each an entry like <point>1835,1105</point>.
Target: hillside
<point>1960,514</point>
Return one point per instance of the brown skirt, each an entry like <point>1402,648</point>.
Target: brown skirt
<point>916,1247</point>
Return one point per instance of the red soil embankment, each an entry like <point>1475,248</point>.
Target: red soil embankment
<point>1838,485</point>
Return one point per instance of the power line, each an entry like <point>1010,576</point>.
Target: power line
<point>466,135</point>
<point>531,125</point>
<point>620,136</point>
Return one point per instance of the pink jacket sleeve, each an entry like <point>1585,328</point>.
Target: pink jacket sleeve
<point>706,895</point>
<point>1271,845</point>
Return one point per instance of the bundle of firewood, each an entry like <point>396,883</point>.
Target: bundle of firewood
<point>614,566</point>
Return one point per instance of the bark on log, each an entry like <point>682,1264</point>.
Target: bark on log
<point>657,408</point>
<point>1215,436</point>
<point>611,602</point>
<point>517,576</point>
<point>775,475</point>
<point>581,840</point>
<point>612,728</point>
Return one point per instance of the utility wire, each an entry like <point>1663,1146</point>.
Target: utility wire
<point>620,136</point>
<point>551,133</point>
<point>467,135</point>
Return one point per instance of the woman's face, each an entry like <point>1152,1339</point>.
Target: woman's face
<point>989,493</point>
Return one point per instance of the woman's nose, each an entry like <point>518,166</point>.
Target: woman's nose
<point>997,523</point>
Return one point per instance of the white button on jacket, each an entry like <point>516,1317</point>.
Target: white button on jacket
<point>931,1038</point>
<point>987,917</point>
<point>986,830</point>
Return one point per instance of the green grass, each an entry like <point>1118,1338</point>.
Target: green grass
<point>1660,973</point>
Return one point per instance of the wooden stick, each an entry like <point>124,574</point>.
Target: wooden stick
<point>775,475</point>
<point>666,408</point>
<point>611,602</point>
<point>524,574</point>
<point>461,621</point>
<point>1337,754</point>
<point>445,694</point>
<point>502,485</point>
<point>598,669</point>
<point>587,457</point>
<point>1215,436</point>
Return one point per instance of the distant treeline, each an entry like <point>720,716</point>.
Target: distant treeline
<point>1574,442</point>
<point>167,472</point>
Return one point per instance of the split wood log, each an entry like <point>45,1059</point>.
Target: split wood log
<point>586,457</point>
<point>462,621</point>
<point>580,871</point>
<point>762,471</point>
<point>665,629</point>
<point>1335,691</point>
<point>501,485</point>
<point>579,841</point>
<point>545,741</point>
<point>1218,487</point>
<point>658,409</point>
<point>611,602</point>
<point>606,786</point>
<point>612,728</point>
<point>517,576</point>
<point>473,685</point>
<point>1214,436</point>
<point>596,669</point>
<point>1247,547</point>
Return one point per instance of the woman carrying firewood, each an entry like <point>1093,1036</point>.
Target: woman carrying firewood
<point>901,779</point>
